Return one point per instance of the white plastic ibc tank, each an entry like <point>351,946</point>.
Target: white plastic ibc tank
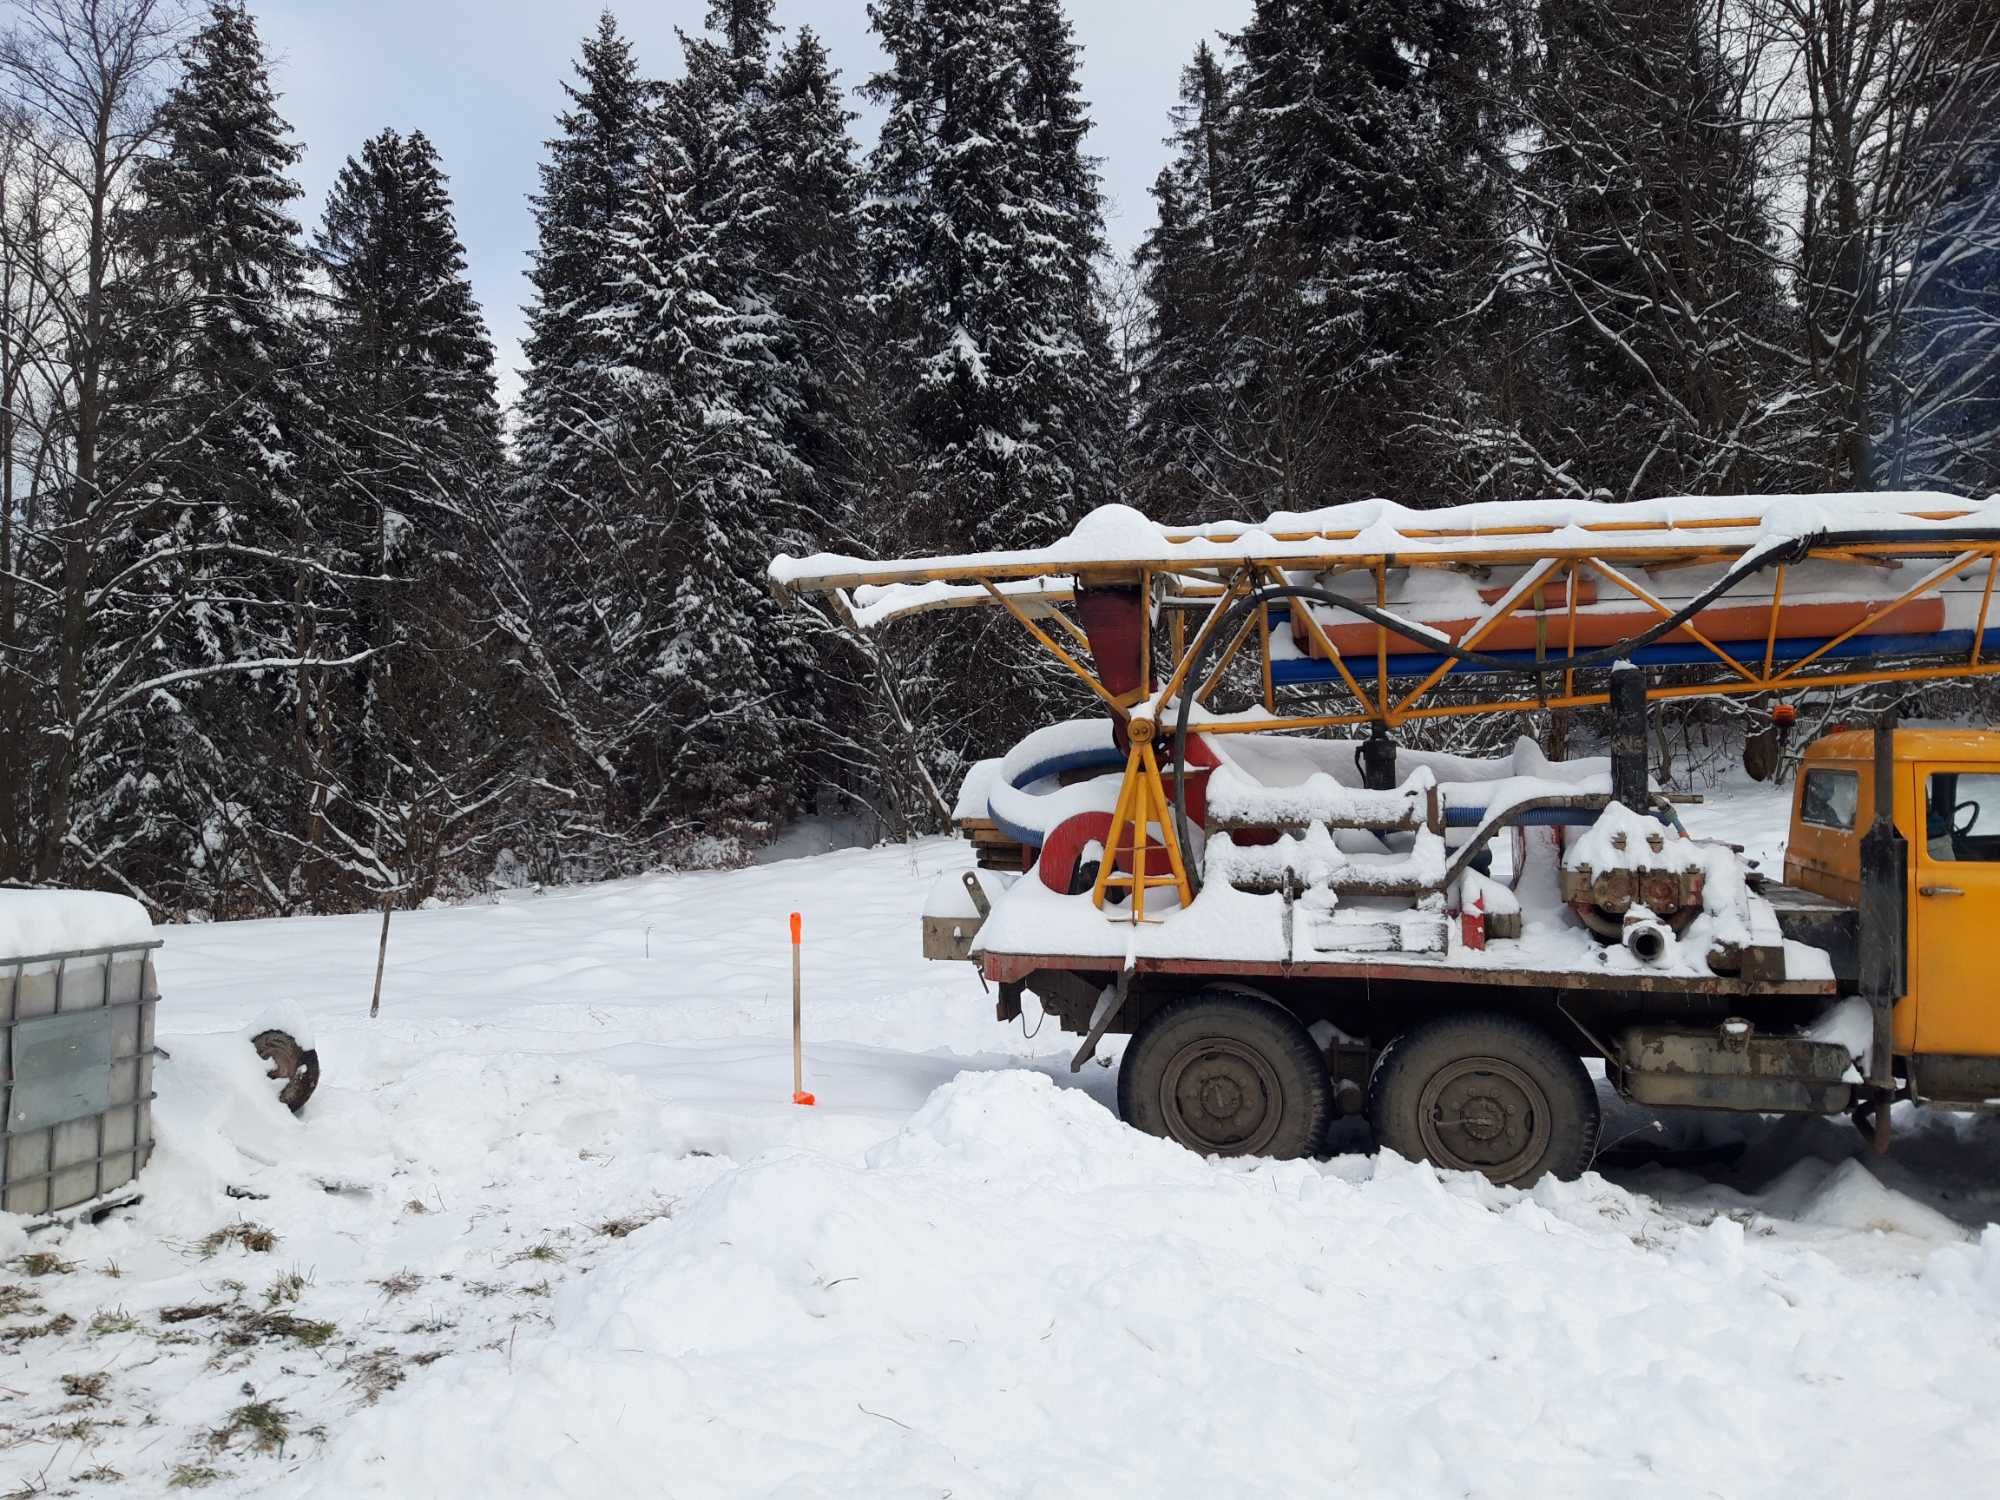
<point>76,1041</point>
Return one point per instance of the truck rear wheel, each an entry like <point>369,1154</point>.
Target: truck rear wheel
<point>1485,1093</point>
<point>1227,1074</point>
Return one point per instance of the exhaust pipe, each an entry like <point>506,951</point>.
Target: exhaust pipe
<point>1647,940</point>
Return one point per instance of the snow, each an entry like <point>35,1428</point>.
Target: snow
<point>1032,806</point>
<point>33,923</point>
<point>1276,760</point>
<point>948,896</point>
<point>1622,839</point>
<point>1376,528</point>
<point>1849,1022</point>
<point>958,1273</point>
<point>1245,908</point>
<point>975,791</point>
<point>1318,799</point>
<point>874,605</point>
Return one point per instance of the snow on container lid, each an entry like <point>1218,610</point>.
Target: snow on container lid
<point>35,923</point>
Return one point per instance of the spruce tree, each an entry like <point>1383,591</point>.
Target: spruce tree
<point>587,180</point>
<point>811,254</point>
<point>1938,402</point>
<point>1364,193</point>
<point>570,474</point>
<point>1182,397</point>
<point>984,218</point>
<point>691,674</point>
<point>215,433</point>
<point>1944,431</point>
<point>1084,409</point>
<point>416,463</point>
<point>1659,255</point>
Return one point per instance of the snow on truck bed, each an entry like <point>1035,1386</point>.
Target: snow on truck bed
<point>559,1233</point>
<point>1303,784</point>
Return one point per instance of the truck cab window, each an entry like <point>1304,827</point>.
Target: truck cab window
<point>1962,816</point>
<point>1831,797</point>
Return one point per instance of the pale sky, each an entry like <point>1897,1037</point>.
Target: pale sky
<point>481,78</point>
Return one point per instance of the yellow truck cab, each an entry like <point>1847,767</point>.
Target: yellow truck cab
<point>1945,802</point>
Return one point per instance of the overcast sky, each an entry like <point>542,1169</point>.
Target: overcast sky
<point>481,78</point>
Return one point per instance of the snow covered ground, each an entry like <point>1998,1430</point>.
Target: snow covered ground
<point>552,1227</point>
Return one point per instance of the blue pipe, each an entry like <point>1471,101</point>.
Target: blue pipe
<point>1103,758</point>
<point>1661,654</point>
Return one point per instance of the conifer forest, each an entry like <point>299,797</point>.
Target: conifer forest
<point>295,617</point>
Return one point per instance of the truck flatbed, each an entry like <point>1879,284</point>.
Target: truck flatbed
<point>1008,968</point>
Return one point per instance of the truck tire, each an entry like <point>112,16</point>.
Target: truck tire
<point>1227,1074</point>
<point>1485,1093</point>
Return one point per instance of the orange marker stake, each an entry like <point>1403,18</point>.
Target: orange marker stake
<point>799,1094</point>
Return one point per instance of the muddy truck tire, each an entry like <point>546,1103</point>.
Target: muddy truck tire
<point>1227,1074</point>
<point>1485,1093</point>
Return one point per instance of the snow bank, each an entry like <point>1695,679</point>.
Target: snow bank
<point>976,790</point>
<point>37,922</point>
<point>642,1270</point>
<point>1014,1296</point>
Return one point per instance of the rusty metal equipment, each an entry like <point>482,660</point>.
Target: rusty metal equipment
<point>1605,899</point>
<point>1731,1067</point>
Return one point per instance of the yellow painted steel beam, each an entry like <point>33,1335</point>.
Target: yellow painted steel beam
<point>1572,579</point>
<point>1985,601</point>
<point>1083,673</point>
<point>1229,653</point>
<point>1142,803</point>
<point>1200,643</point>
<point>1665,613</point>
<point>1771,631</point>
<point>1934,577</point>
<point>1323,640</point>
<point>1264,655</point>
<point>1530,583</point>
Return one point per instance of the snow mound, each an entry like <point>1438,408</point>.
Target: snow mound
<point>1014,1296</point>
<point>1852,1197</point>
<point>33,923</point>
<point>986,1125</point>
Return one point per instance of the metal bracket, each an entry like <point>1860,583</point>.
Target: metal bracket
<point>1609,1054</point>
<point>978,894</point>
<point>1106,1014</point>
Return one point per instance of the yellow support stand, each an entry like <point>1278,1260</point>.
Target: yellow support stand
<point>1142,801</point>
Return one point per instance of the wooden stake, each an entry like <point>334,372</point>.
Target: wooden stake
<point>381,958</point>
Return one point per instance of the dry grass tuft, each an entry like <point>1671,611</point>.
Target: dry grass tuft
<point>249,1236</point>
<point>90,1387</point>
